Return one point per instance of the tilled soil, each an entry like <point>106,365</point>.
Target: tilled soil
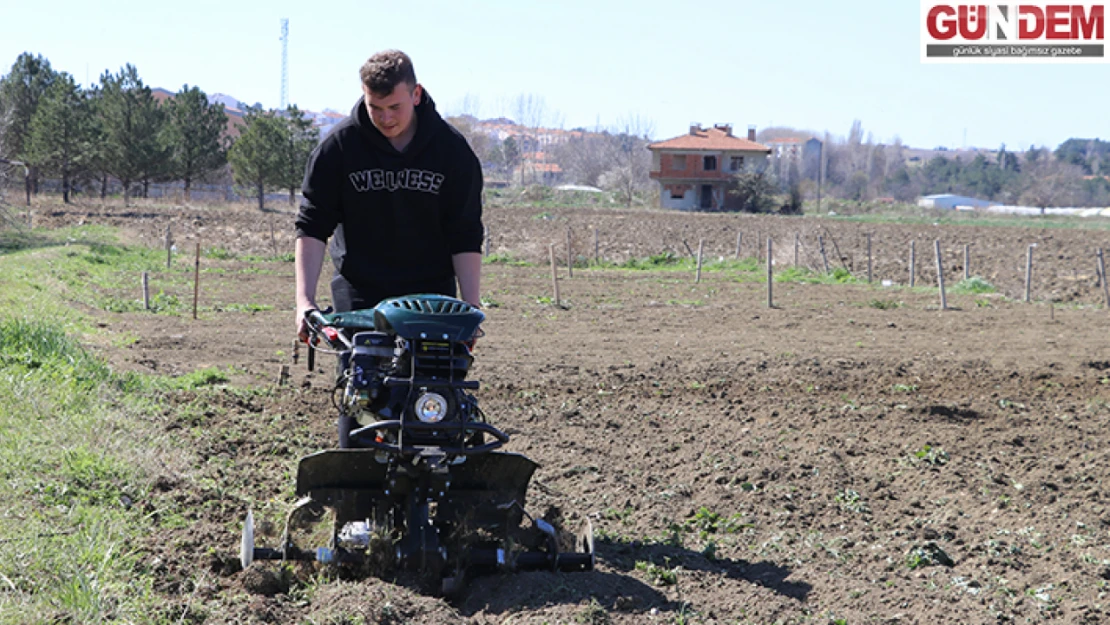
<point>853,454</point>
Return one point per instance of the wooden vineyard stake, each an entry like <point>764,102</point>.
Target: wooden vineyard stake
<point>770,276</point>
<point>1102,277</point>
<point>869,258</point>
<point>196,280</point>
<point>570,256</point>
<point>913,262</point>
<point>940,275</point>
<point>169,246</point>
<point>697,274</point>
<point>554,273</point>
<point>1029,273</point>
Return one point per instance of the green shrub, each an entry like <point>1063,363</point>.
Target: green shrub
<point>973,286</point>
<point>219,253</point>
<point>505,259</point>
<point>839,275</point>
<point>655,261</point>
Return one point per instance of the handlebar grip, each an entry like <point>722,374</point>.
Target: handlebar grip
<point>319,325</point>
<point>315,319</point>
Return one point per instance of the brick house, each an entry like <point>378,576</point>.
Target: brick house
<point>536,168</point>
<point>694,171</point>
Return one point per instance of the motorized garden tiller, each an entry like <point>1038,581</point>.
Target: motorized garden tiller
<point>422,487</point>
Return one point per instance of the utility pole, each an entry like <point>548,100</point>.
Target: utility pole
<point>284,62</point>
<point>820,171</point>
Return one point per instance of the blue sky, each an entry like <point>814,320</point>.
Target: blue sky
<point>808,64</point>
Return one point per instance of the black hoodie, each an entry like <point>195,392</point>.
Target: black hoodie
<point>397,217</point>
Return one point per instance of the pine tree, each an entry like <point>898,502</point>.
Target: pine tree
<point>20,92</point>
<point>510,157</point>
<point>98,148</point>
<point>255,157</point>
<point>132,122</point>
<point>61,131</point>
<point>194,136</point>
<point>299,141</point>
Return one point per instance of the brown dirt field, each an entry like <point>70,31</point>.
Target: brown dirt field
<point>807,463</point>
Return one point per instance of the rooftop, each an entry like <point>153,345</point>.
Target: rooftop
<point>715,138</point>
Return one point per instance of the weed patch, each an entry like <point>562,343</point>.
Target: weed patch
<point>930,454</point>
<point>505,260</point>
<point>973,286</point>
<point>884,304</point>
<point>802,275</point>
<point>658,575</point>
<point>929,554</point>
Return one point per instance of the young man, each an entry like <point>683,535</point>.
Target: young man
<point>398,192</point>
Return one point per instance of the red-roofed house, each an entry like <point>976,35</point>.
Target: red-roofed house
<point>694,171</point>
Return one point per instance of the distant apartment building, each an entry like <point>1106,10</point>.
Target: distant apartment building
<point>804,153</point>
<point>786,148</point>
<point>325,121</point>
<point>695,170</point>
<point>528,139</point>
<point>536,164</point>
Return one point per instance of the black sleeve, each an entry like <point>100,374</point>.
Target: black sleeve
<point>322,189</point>
<point>464,204</point>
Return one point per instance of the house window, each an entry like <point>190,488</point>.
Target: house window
<point>678,162</point>
<point>710,163</point>
<point>736,163</point>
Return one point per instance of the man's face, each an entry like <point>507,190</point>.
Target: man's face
<point>393,114</point>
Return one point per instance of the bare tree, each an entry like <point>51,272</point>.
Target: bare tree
<point>896,156</point>
<point>465,119</point>
<point>877,169</point>
<point>630,159</point>
<point>530,111</point>
<point>584,158</point>
<point>470,106</point>
<point>1050,182</point>
<point>859,150</point>
<point>479,141</point>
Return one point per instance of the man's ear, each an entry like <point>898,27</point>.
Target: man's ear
<point>417,94</point>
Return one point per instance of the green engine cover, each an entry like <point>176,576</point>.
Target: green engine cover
<point>428,316</point>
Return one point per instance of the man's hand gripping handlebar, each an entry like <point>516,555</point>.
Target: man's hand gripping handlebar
<point>319,327</point>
